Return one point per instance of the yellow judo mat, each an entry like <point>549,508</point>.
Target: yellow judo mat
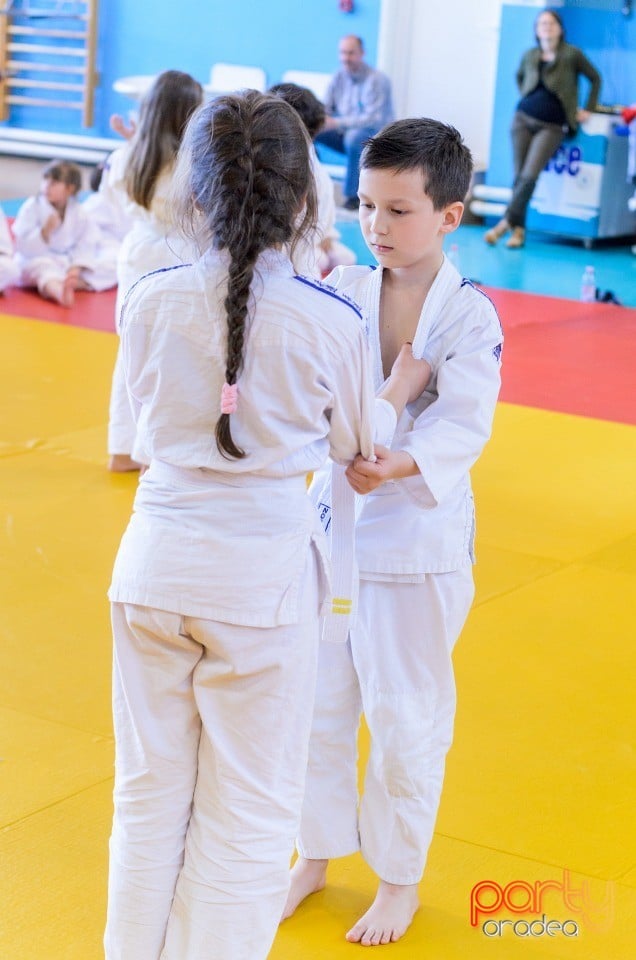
<point>534,850</point>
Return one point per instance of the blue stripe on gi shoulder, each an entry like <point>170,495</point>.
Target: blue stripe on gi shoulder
<point>330,291</point>
<point>153,273</point>
<point>468,283</point>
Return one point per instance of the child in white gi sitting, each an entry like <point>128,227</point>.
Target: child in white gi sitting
<point>9,271</point>
<point>56,242</point>
<point>414,534</point>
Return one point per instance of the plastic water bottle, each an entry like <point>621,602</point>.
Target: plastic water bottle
<point>453,256</point>
<point>588,285</point>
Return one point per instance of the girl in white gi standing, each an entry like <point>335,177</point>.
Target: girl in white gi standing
<point>141,172</point>
<point>414,535</point>
<point>243,377</point>
<point>56,243</point>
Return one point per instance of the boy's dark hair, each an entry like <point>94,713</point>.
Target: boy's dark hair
<point>435,148</point>
<point>312,112</point>
<point>63,171</point>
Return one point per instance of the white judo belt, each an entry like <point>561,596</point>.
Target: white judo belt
<point>337,508</point>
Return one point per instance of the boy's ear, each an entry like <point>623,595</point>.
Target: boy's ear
<point>452,216</point>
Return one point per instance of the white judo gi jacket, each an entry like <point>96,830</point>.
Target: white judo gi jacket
<point>425,524</point>
<point>226,539</point>
<point>110,207</point>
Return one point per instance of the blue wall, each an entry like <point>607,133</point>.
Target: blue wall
<point>142,38</point>
<point>598,27</point>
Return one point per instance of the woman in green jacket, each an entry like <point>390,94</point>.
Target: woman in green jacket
<point>547,112</point>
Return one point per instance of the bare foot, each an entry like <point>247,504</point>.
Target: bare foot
<point>389,916</point>
<point>54,290</point>
<point>122,463</point>
<point>68,290</point>
<point>307,877</point>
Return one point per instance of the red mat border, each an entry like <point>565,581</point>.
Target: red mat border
<point>559,355</point>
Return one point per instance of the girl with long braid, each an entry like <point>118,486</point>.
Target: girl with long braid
<point>243,377</point>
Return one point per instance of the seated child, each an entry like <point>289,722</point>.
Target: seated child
<point>9,271</point>
<point>57,244</point>
<point>327,252</point>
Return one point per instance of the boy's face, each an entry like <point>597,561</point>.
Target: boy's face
<point>57,192</point>
<point>398,221</point>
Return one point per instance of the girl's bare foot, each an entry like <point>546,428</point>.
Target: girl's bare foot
<point>389,916</point>
<point>307,877</point>
<point>122,463</point>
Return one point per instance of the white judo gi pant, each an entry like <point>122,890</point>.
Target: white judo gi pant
<point>40,271</point>
<point>212,722</point>
<point>396,667</point>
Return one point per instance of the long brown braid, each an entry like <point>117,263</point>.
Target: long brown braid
<point>245,161</point>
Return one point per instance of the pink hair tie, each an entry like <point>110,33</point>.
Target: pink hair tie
<point>229,397</point>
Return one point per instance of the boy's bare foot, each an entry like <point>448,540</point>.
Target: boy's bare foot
<point>122,463</point>
<point>307,877</point>
<point>389,916</point>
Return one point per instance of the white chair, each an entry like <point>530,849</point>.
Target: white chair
<point>314,81</point>
<point>134,87</point>
<point>228,77</point>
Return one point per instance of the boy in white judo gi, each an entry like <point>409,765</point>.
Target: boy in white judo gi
<point>9,271</point>
<point>57,245</point>
<point>414,534</point>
